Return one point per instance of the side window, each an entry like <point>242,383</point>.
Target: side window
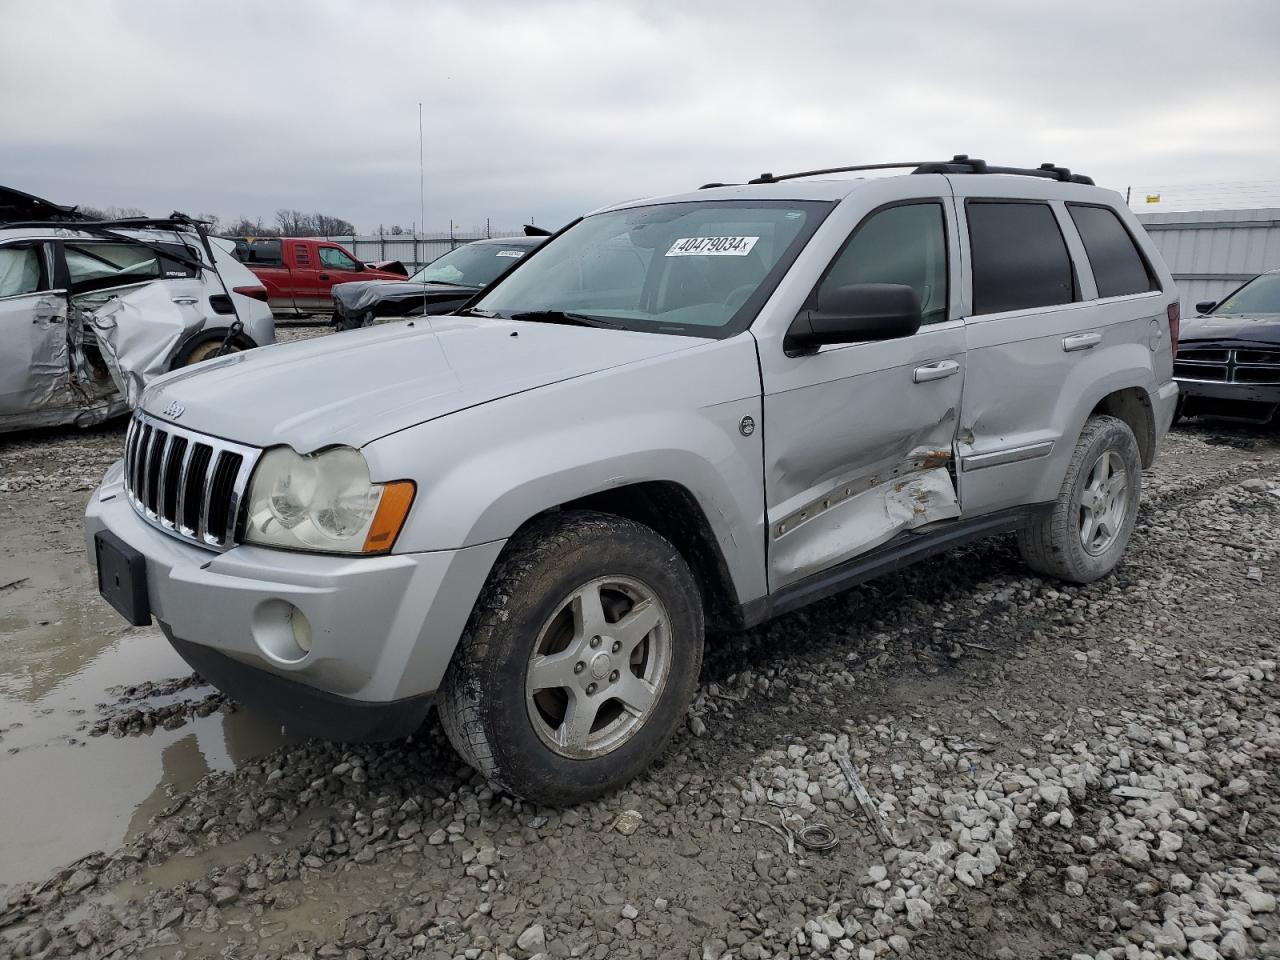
<point>904,244</point>
<point>1020,259</point>
<point>335,258</point>
<point>1118,267</point>
<point>98,266</point>
<point>22,270</point>
<point>301,255</point>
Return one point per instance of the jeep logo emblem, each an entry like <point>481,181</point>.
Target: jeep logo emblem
<point>173,411</point>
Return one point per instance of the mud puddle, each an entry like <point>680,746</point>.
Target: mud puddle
<point>65,655</point>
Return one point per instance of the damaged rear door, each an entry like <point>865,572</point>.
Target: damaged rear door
<point>859,437</point>
<point>34,358</point>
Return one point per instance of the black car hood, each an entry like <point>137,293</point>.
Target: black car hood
<point>16,206</point>
<point>1208,330</point>
<point>361,295</point>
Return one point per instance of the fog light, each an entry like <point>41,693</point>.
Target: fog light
<point>301,630</point>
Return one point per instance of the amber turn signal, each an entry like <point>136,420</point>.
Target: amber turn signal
<point>397,497</point>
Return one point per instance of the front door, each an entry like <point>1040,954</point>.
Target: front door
<point>859,438</point>
<point>335,267</point>
<point>34,365</point>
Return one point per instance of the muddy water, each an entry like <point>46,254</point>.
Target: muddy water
<point>63,792</point>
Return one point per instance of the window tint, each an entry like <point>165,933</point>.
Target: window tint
<point>907,245</point>
<point>335,258</point>
<point>98,266</point>
<point>1117,265</point>
<point>259,251</point>
<point>1020,260</point>
<point>21,271</point>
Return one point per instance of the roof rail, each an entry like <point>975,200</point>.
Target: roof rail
<point>960,163</point>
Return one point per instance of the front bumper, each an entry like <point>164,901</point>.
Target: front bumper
<point>1248,402</point>
<point>383,628</point>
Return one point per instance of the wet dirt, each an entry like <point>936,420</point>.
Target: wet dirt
<point>70,664</point>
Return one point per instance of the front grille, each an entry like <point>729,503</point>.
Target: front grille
<point>1228,366</point>
<point>188,484</point>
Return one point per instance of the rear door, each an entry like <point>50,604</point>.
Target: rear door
<point>1027,325</point>
<point>308,293</point>
<point>34,359</point>
<point>858,437</point>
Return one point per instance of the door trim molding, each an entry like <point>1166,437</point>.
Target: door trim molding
<point>998,458</point>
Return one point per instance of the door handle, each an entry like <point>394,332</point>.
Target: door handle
<point>324,276</point>
<point>1081,341</point>
<point>187,300</point>
<point>935,371</point>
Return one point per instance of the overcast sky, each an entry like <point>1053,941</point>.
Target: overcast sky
<point>546,109</point>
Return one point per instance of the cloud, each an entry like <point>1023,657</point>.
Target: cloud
<point>547,109</point>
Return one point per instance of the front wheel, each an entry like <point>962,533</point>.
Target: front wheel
<point>579,660</point>
<point>1086,534</point>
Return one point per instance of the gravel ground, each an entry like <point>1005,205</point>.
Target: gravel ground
<point>1052,771</point>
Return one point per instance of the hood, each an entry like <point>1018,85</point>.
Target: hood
<point>357,296</point>
<point>1264,328</point>
<point>357,386</point>
<point>16,207</point>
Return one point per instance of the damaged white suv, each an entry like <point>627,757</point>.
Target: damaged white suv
<point>92,310</point>
<point>710,408</point>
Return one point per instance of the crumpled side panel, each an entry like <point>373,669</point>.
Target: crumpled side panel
<point>863,521</point>
<point>36,373</point>
<point>139,333</point>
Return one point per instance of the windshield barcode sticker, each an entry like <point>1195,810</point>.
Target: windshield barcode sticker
<point>510,253</point>
<point>712,247</point>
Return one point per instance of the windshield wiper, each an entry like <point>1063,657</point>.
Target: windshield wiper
<point>560,316</point>
<point>449,283</point>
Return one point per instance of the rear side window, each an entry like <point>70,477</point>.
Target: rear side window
<point>903,244</point>
<point>1118,267</point>
<point>1020,259</point>
<point>265,252</point>
<point>301,255</point>
<point>94,265</point>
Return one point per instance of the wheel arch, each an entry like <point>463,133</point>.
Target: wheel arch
<point>208,335</point>
<point>1133,406</point>
<point>671,510</point>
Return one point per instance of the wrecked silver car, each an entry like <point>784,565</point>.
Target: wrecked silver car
<point>90,310</point>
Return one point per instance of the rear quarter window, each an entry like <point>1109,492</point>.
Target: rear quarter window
<point>1118,266</point>
<point>1020,259</point>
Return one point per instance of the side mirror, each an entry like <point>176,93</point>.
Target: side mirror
<point>855,313</point>
<point>1206,306</point>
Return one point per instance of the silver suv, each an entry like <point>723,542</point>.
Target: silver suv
<point>705,409</point>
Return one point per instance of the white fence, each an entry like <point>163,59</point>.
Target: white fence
<point>1211,252</point>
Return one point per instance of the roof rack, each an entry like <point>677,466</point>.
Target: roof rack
<point>960,163</point>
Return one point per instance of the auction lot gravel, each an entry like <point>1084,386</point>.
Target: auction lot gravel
<point>1056,771</point>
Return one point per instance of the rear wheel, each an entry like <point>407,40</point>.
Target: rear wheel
<point>579,660</point>
<point>1086,534</point>
<point>205,351</point>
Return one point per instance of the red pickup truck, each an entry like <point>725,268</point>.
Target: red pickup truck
<point>298,272</point>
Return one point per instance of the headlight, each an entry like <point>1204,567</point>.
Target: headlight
<point>324,502</point>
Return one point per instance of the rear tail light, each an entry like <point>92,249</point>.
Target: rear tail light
<point>1175,324</point>
<point>255,292</point>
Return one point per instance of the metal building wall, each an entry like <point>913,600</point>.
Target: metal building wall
<point>1211,252</point>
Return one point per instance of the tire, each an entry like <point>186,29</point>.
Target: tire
<point>1056,546</point>
<point>205,351</point>
<point>532,741</point>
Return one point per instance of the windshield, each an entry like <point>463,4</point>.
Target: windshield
<point>702,268</point>
<point>1259,295</point>
<point>475,265</point>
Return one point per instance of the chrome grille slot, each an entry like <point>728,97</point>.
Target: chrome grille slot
<point>188,484</point>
